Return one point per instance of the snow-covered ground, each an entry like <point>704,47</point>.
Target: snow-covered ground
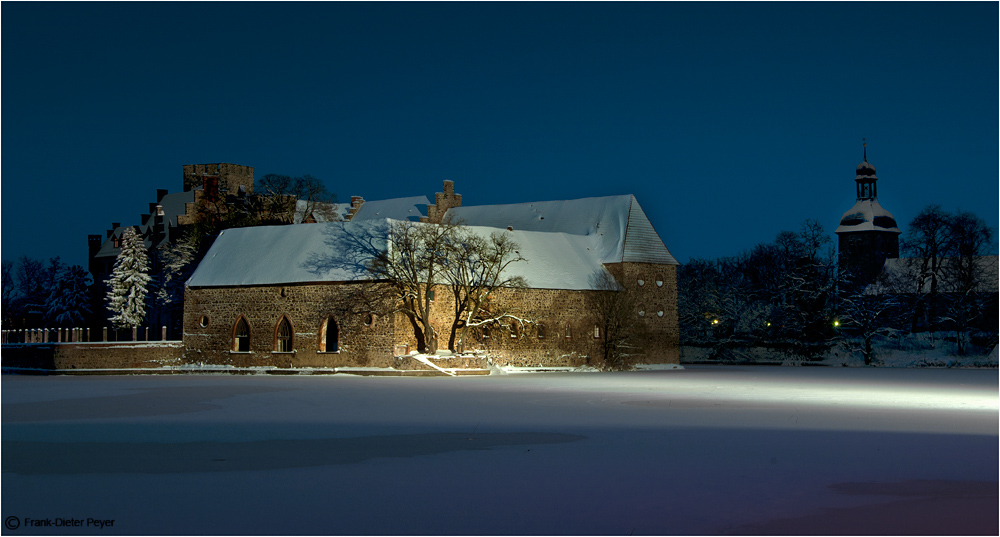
<point>700,450</point>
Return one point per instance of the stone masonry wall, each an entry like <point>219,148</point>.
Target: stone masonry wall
<point>558,328</point>
<point>560,325</point>
<point>211,314</point>
<point>231,176</point>
<point>655,286</point>
<point>62,356</point>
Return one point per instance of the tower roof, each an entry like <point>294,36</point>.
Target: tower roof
<point>867,215</point>
<point>865,170</point>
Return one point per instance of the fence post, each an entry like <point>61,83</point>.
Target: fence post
<point>134,330</point>
<point>88,334</point>
<point>163,334</point>
<point>105,335</point>
<point>147,333</point>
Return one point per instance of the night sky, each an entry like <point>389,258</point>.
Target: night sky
<point>729,121</point>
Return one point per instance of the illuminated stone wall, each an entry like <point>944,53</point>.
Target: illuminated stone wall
<point>210,317</point>
<point>559,330</point>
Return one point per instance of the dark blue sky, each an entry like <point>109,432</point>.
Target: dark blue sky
<point>729,121</point>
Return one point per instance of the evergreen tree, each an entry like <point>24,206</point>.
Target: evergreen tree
<point>177,262</point>
<point>68,304</point>
<point>128,283</point>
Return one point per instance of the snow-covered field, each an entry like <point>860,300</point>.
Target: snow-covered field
<point>702,450</point>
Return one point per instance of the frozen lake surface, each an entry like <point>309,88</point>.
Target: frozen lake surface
<point>705,450</point>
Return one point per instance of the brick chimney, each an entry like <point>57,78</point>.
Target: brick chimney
<point>356,203</point>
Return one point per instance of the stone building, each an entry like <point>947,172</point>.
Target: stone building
<point>261,298</point>
<point>205,187</point>
<point>868,234</point>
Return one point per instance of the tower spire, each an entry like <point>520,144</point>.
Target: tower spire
<point>864,144</point>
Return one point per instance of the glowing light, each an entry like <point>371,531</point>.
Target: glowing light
<point>715,321</point>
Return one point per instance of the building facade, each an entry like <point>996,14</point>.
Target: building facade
<point>259,298</point>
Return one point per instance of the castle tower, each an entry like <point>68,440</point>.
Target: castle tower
<point>222,178</point>
<point>868,234</point>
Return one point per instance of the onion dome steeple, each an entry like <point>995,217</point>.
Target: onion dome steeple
<point>865,178</point>
<point>868,234</point>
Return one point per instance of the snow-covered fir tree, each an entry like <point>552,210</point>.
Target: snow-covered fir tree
<point>68,304</point>
<point>127,286</point>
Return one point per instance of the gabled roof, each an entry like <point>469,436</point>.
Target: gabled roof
<point>274,255</point>
<point>618,222</point>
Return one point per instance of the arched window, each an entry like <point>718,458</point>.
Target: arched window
<point>241,336</point>
<point>541,330</point>
<point>329,335</point>
<point>283,336</point>
<point>569,330</point>
<point>597,332</point>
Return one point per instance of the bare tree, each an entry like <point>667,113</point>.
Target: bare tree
<point>967,272</point>
<point>279,197</point>
<point>408,258</point>
<point>475,268</point>
<point>868,312</point>
<point>927,240</point>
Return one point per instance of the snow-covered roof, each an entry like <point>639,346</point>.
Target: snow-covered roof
<point>618,223</point>
<point>274,255</point>
<point>867,215</point>
<point>902,275</point>
<point>396,209</point>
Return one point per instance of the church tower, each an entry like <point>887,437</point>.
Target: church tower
<point>868,234</point>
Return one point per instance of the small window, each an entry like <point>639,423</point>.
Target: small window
<point>597,332</point>
<point>641,282</point>
<point>569,331</point>
<point>430,295</point>
<point>203,321</point>
<point>659,313</point>
<point>283,336</point>
<point>515,330</point>
<point>642,312</point>
<point>369,320</point>
<point>659,281</point>
<point>284,291</point>
<point>241,336</point>
<point>541,330</point>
